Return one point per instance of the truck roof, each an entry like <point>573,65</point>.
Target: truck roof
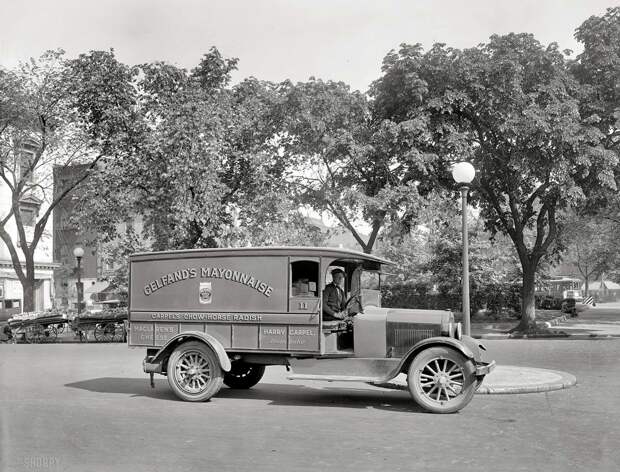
<point>262,251</point>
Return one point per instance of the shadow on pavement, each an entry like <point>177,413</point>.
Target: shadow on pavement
<point>342,397</point>
<point>275,394</point>
<point>133,387</point>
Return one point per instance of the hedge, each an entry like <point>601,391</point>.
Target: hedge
<point>497,300</point>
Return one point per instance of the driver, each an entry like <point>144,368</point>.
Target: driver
<point>334,299</point>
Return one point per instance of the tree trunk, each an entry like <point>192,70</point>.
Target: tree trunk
<point>28,289</point>
<point>587,286</point>
<point>28,286</point>
<point>528,302</point>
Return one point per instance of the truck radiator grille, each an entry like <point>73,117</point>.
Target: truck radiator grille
<point>402,336</point>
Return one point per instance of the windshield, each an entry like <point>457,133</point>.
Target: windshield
<point>370,283</point>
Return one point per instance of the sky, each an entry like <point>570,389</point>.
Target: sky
<point>275,40</point>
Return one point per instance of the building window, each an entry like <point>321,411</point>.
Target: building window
<point>28,214</point>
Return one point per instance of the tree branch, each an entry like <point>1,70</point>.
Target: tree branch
<point>497,207</point>
<point>14,257</point>
<point>553,230</point>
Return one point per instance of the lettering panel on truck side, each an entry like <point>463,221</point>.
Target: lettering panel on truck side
<point>303,338</point>
<point>141,334</point>
<point>164,332</point>
<point>273,337</point>
<point>210,284</point>
<point>235,318</point>
<point>233,336</point>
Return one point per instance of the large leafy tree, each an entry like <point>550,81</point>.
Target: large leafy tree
<point>51,119</point>
<point>511,106</point>
<point>598,70</point>
<point>359,167</point>
<point>206,170</point>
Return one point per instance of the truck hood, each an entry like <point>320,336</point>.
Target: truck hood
<point>405,315</point>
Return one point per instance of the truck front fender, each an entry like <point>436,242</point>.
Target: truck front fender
<point>173,342</point>
<point>466,346</point>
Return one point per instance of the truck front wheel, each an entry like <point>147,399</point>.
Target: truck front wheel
<point>243,375</point>
<point>194,372</point>
<point>441,380</point>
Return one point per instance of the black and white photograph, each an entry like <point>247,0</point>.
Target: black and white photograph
<point>310,235</point>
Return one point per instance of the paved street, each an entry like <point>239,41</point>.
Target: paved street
<point>600,320</point>
<point>89,407</point>
<point>602,312</point>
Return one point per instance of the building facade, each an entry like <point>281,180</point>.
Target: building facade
<point>11,291</point>
<point>69,234</point>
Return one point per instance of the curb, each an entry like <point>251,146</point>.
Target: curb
<point>565,381</point>
<point>536,381</point>
<point>555,321</point>
<point>559,335</point>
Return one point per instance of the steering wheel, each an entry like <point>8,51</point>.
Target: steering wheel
<point>355,296</point>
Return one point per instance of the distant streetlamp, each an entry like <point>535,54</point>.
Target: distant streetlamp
<point>463,173</point>
<point>78,252</point>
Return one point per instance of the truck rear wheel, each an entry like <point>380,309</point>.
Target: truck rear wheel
<point>243,375</point>
<point>194,372</point>
<point>441,380</point>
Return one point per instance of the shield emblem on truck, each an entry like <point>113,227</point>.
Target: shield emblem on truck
<point>205,294</point>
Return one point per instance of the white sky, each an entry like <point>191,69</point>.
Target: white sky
<point>278,39</point>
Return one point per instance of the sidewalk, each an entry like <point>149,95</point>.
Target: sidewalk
<point>511,379</point>
<point>560,327</point>
<point>582,331</point>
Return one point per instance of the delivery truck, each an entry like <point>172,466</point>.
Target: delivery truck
<point>209,317</point>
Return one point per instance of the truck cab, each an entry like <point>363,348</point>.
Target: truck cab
<point>214,316</point>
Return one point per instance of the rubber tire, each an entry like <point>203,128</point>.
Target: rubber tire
<point>243,375</point>
<point>213,385</point>
<point>469,381</point>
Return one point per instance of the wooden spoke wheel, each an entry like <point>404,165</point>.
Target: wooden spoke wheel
<point>194,372</point>
<point>441,380</point>
<point>33,333</point>
<point>104,332</point>
<point>50,333</point>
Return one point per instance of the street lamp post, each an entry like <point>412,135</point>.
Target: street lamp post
<point>78,252</point>
<point>463,173</point>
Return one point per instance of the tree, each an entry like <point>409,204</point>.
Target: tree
<point>205,171</point>
<point>598,70</point>
<point>430,255</point>
<point>511,106</point>
<point>48,122</point>
<point>357,167</point>
<point>115,253</point>
<point>592,246</point>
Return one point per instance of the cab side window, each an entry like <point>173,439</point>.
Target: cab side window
<point>304,279</point>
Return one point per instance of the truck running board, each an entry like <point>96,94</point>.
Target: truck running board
<point>354,369</point>
<point>336,378</point>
